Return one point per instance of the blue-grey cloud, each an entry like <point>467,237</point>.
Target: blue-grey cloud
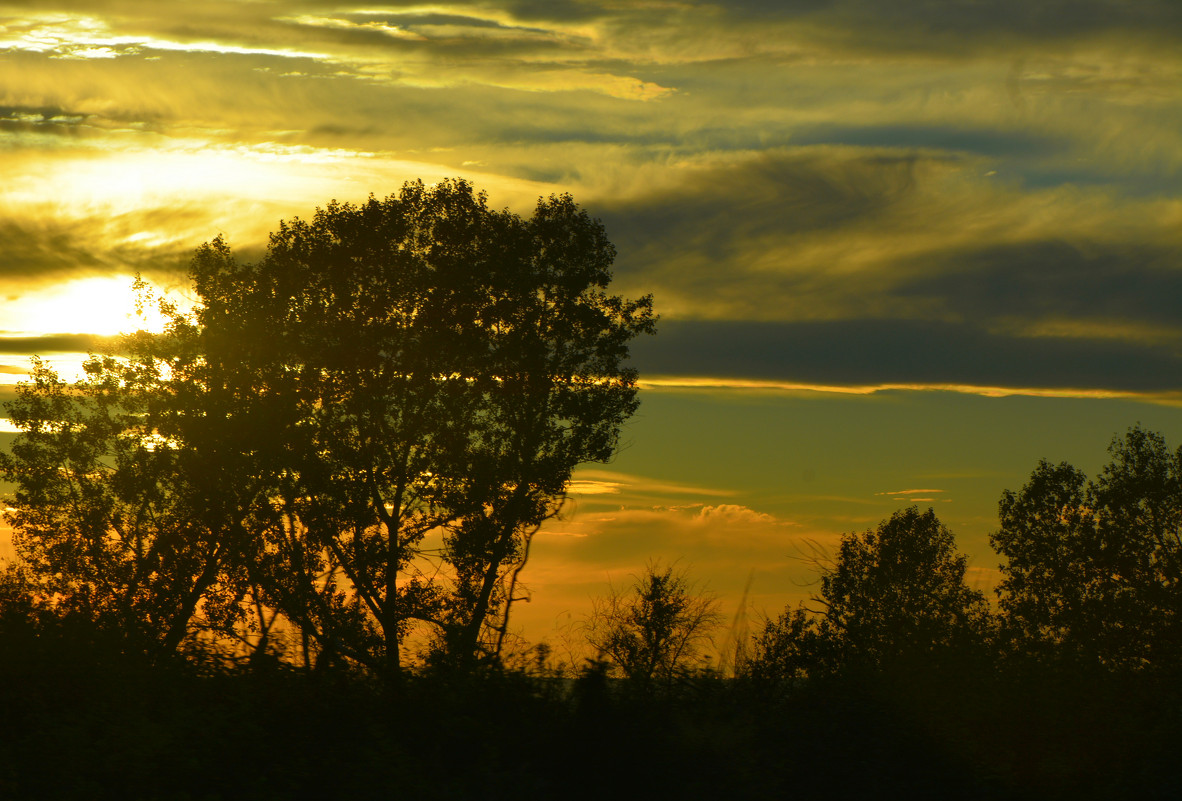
<point>944,25</point>
<point>843,233</point>
<point>789,169</point>
<point>718,211</point>
<point>976,140</point>
<point>907,352</point>
<point>1133,281</point>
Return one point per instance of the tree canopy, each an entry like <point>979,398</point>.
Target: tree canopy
<point>110,520</point>
<point>1093,567</point>
<point>895,592</point>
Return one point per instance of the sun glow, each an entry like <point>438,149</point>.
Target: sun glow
<point>104,306</point>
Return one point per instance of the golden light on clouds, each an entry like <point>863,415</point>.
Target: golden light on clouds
<point>67,36</point>
<point>136,177</point>
<point>790,387</point>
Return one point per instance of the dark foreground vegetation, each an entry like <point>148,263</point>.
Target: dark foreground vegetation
<point>83,719</point>
<point>272,552</point>
<point>896,680</point>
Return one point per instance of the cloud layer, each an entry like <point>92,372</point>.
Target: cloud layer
<point>981,195</point>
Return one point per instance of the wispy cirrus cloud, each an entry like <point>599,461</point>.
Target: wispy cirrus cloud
<point>915,496</point>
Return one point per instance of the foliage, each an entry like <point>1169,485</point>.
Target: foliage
<point>895,593</point>
<point>110,523</point>
<point>1093,567</point>
<point>437,367</point>
<point>654,632</point>
<point>788,649</point>
<point>899,588</point>
<point>84,721</point>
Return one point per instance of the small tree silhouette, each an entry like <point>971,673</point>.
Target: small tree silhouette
<point>655,631</point>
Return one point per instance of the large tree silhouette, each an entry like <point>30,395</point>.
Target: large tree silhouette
<point>429,365</point>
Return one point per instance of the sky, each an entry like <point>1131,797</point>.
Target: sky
<point>901,251</point>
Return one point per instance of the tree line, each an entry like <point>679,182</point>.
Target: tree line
<point>1090,580</point>
<point>354,439</point>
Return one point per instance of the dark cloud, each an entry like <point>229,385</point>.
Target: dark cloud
<point>981,141</point>
<point>775,182</point>
<point>44,249</point>
<point>1148,180</point>
<point>36,249</point>
<point>943,25</point>
<point>873,352</point>
<point>55,343</point>
<point>557,10</point>
<point>721,210</point>
<point>1132,281</point>
<point>52,120</point>
<point>835,233</point>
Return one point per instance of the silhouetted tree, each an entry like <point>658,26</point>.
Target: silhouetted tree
<point>426,364</point>
<point>893,593</point>
<point>1093,567</point>
<point>900,588</point>
<point>419,365</point>
<point>656,630</point>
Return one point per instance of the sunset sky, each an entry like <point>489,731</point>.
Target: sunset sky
<point>901,250</point>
